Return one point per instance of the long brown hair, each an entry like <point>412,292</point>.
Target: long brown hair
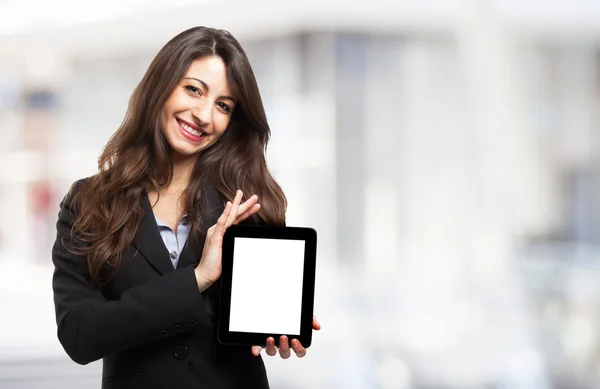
<point>137,157</point>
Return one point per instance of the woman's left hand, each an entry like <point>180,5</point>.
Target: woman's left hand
<point>284,346</point>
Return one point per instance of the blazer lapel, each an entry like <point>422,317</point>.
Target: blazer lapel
<point>149,242</point>
<point>192,251</point>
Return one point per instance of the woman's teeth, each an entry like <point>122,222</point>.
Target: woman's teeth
<point>190,129</point>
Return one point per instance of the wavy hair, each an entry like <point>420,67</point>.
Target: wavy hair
<point>136,159</point>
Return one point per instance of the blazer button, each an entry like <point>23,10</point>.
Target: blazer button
<point>176,328</point>
<point>163,333</point>
<point>180,352</point>
<point>192,323</point>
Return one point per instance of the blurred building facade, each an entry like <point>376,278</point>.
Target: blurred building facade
<point>445,152</point>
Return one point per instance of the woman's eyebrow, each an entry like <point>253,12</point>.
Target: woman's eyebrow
<point>205,85</point>
<point>200,81</point>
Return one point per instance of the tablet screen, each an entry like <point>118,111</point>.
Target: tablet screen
<point>266,285</point>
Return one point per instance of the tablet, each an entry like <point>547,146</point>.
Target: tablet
<point>267,285</point>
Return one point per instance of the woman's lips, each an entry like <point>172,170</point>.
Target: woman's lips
<point>189,131</point>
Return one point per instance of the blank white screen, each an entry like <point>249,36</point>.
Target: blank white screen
<point>266,286</point>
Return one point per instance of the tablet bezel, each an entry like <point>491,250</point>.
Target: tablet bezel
<point>309,236</point>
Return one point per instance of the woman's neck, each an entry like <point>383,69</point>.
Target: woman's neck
<point>182,171</point>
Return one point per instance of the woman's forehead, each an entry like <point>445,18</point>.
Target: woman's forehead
<point>211,73</point>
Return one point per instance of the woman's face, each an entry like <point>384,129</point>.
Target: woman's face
<point>198,110</point>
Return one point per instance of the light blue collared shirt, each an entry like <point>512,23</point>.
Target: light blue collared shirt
<point>174,242</point>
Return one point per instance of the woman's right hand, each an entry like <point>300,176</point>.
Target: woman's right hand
<point>209,269</point>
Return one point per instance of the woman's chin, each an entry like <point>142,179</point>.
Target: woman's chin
<point>184,149</point>
<point>185,152</point>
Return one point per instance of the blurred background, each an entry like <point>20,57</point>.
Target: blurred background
<point>446,151</point>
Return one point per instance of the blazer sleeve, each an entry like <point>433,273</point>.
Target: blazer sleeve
<point>90,327</point>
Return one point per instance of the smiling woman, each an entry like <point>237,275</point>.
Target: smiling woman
<point>136,264</point>
<point>195,115</point>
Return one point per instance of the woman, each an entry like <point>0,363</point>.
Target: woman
<point>138,249</point>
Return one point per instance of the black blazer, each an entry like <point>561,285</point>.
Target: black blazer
<point>150,324</point>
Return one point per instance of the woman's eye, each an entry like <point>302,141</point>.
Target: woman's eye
<point>192,89</point>
<point>223,106</point>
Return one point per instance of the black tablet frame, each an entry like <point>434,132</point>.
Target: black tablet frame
<point>309,236</point>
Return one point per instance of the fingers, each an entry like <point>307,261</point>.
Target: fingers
<point>247,205</point>
<point>234,208</point>
<point>234,213</point>
<point>315,324</point>
<point>246,209</point>
<point>271,349</point>
<point>284,347</point>
<point>251,211</point>
<point>298,349</point>
<point>220,226</point>
<point>241,211</point>
<point>256,350</point>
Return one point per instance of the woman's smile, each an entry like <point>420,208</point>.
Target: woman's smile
<point>190,131</point>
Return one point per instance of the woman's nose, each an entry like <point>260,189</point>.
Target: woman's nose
<point>203,112</point>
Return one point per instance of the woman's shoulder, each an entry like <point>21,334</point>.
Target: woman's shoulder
<point>79,183</point>
<point>70,197</point>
